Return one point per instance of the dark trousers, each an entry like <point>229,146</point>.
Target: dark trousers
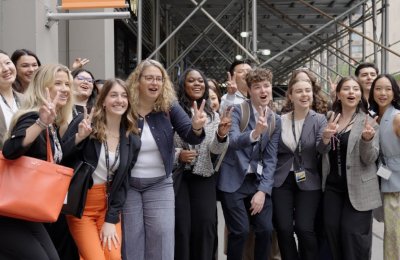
<point>236,208</point>
<point>295,210</point>
<point>195,217</point>
<point>348,230</point>
<point>24,240</point>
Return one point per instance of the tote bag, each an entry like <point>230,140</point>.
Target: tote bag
<point>33,189</point>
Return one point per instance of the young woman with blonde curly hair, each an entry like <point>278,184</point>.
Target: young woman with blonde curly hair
<point>149,210</point>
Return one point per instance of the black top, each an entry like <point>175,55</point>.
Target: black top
<point>335,181</point>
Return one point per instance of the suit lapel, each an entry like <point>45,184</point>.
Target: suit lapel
<point>355,132</point>
<point>308,125</point>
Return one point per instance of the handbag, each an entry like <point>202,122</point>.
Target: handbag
<point>33,189</point>
<point>81,182</point>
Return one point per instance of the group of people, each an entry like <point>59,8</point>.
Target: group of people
<point>162,156</point>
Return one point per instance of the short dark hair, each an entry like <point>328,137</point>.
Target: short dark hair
<point>238,62</point>
<point>396,93</point>
<point>257,75</point>
<point>23,52</point>
<point>365,65</point>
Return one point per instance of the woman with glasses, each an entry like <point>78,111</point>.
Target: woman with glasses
<point>149,211</point>
<point>83,91</point>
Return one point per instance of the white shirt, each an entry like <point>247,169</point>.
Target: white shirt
<point>231,99</point>
<point>7,112</point>
<point>100,173</point>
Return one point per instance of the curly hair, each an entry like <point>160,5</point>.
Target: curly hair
<point>129,120</point>
<point>165,99</point>
<point>36,94</point>
<point>320,100</point>
<point>257,75</point>
<point>185,101</point>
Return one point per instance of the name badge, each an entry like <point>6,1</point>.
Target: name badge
<point>259,169</point>
<point>300,175</point>
<point>384,172</point>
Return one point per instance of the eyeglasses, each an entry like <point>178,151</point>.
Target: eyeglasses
<point>151,78</point>
<point>89,80</point>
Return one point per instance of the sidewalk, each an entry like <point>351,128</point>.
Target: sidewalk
<point>377,238</point>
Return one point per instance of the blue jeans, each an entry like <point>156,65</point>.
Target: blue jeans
<point>148,220</point>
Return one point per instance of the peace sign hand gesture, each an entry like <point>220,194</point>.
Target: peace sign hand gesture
<point>199,118</point>
<point>368,132</point>
<point>262,123</point>
<point>47,112</point>
<point>232,85</point>
<point>225,123</point>
<point>331,128</point>
<point>85,126</point>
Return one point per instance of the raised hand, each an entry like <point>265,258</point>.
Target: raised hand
<point>262,123</point>
<point>331,128</point>
<point>368,132</point>
<point>47,112</point>
<point>199,118</point>
<point>231,88</point>
<point>225,122</point>
<point>79,63</point>
<point>109,235</point>
<point>85,126</point>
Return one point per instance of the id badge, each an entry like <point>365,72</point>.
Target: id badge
<point>259,169</point>
<point>384,172</point>
<point>300,175</point>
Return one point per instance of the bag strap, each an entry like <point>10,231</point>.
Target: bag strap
<point>49,151</point>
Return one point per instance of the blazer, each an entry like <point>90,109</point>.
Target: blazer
<point>3,127</point>
<point>361,168</point>
<point>89,151</point>
<point>242,152</point>
<point>163,126</point>
<point>13,147</point>
<point>312,146</point>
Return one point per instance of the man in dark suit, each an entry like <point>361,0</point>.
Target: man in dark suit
<point>246,178</point>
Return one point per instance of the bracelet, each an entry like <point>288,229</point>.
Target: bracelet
<point>41,124</point>
<point>197,130</point>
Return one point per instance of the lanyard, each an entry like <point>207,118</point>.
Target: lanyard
<point>298,144</point>
<point>8,105</point>
<point>337,138</point>
<point>106,152</point>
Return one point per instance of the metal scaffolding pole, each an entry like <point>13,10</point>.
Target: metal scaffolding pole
<point>374,31</point>
<point>157,23</point>
<point>254,26</point>
<point>314,32</point>
<point>385,35</point>
<point>199,6</point>
<point>139,31</point>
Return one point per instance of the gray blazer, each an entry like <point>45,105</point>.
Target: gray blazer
<point>312,144</point>
<point>242,153</point>
<point>362,181</point>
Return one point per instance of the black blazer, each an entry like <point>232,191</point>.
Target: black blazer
<point>311,141</point>
<point>89,151</point>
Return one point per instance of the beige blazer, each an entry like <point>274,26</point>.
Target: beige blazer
<point>3,127</point>
<point>362,181</point>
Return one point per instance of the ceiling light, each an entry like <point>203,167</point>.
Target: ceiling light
<point>245,34</point>
<point>239,57</point>
<point>265,52</point>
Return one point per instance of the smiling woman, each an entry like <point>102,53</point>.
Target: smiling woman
<point>26,63</point>
<point>83,91</point>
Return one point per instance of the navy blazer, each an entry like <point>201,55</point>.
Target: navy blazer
<point>163,126</point>
<point>242,152</point>
<point>89,151</point>
<point>311,143</point>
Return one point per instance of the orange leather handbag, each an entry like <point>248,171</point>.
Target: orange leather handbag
<point>33,189</point>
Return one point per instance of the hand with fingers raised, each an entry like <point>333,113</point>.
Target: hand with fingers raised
<point>199,118</point>
<point>47,112</point>
<point>85,126</point>
<point>225,123</point>
<point>231,87</point>
<point>368,132</point>
<point>331,128</point>
<point>79,63</point>
<point>262,124</point>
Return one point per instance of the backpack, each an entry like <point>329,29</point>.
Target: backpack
<point>244,121</point>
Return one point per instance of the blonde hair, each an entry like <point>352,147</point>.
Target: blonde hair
<point>128,119</point>
<point>164,100</point>
<point>36,94</point>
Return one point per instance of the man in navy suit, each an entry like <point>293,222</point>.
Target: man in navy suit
<point>247,171</point>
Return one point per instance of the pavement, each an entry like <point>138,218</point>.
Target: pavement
<point>377,237</point>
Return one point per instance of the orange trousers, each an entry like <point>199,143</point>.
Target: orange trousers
<point>86,231</point>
